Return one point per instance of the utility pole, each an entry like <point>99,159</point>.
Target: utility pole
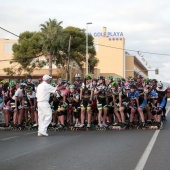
<point>87,55</point>
<point>68,61</point>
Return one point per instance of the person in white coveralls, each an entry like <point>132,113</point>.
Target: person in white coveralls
<point>44,110</point>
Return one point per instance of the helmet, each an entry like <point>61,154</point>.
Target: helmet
<point>72,86</point>
<point>154,80</point>
<point>101,78</point>
<point>22,85</point>
<point>63,82</point>
<point>77,75</point>
<point>11,83</point>
<point>146,80</point>
<point>131,79</point>
<point>160,84</point>
<point>110,77</point>
<point>114,84</point>
<point>88,76</point>
<point>29,77</point>
<point>123,80</point>
<point>3,81</point>
<point>117,79</point>
<point>53,84</point>
<point>132,86</point>
<point>95,80</point>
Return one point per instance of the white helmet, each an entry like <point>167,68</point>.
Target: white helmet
<point>77,76</point>
<point>160,84</point>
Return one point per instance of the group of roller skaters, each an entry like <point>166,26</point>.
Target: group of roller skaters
<point>90,103</point>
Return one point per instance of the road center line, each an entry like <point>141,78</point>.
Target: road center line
<point>148,149</point>
<point>9,138</point>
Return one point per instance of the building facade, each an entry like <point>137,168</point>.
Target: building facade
<point>113,60</point>
<point>109,50</point>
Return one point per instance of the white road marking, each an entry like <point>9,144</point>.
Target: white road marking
<point>167,111</point>
<point>9,138</point>
<point>148,149</point>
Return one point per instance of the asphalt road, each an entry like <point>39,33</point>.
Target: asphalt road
<point>94,150</point>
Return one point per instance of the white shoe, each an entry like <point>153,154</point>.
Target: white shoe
<point>44,134</point>
<point>53,124</point>
<point>76,125</point>
<point>105,125</point>
<point>88,125</point>
<point>81,125</point>
<point>100,125</point>
<point>35,125</point>
<point>39,134</point>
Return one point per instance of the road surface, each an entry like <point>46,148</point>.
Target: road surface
<point>94,150</point>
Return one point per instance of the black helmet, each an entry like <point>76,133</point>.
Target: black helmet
<point>29,76</point>
<point>101,78</point>
<point>123,80</point>
<point>132,86</point>
<point>64,82</point>
<point>154,80</point>
<point>95,80</point>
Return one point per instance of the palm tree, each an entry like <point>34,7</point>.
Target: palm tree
<point>51,36</point>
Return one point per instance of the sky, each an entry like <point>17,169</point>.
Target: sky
<point>145,24</point>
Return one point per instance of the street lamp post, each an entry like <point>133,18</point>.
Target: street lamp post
<point>87,55</point>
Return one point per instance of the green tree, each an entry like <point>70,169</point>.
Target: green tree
<point>25,54</point>
<point>51,40</point>
<point>78,47</point>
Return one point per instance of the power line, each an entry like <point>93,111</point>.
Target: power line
<point>131,50</point>
<point>146,52</point>
<point>20,38</point>
<point>9,32</point>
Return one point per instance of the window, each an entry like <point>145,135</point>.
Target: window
<point>8,47</point>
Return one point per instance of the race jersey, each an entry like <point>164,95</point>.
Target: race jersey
<point>6,96</point>
<point>152,95</point>
<point>71,97</point>
<point>19,93</point>
<point>102,91</point>
<point>86,90</point>
<point>139,88</point>
<point>115,94</point>
<point>124,97</point>
<point>134,95</point>
<point>31,96</point>
<point>162,96</point>
<point>162,92</point>
<point>109,95</point>
<point>32,86</point>
<point>78,85</point>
